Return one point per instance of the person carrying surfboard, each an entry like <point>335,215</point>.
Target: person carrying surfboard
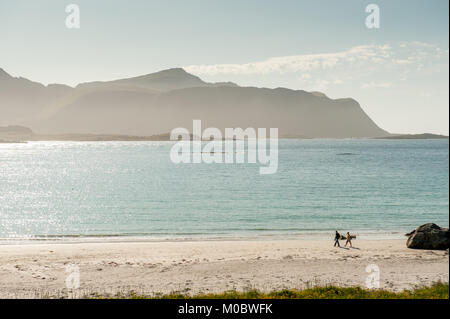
<point>349,240</point>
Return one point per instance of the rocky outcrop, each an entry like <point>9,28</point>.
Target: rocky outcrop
<point>428,236</point>
<point>15,129</point>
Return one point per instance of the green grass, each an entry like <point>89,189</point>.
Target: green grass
<point>435,291</point>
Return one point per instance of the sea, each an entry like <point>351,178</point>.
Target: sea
<point>57,192</point>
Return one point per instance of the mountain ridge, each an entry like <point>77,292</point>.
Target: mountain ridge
<point>165,80</point>
<point>156,103</point>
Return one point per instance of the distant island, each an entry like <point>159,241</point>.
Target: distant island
<point>21,134</point>
<point>424,136</point>
<point>155,103</point>
<point>147,107</point>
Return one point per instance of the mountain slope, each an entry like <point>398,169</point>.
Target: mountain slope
<point>157,103</point>
<point>21,99</point>
<point>165,80</point>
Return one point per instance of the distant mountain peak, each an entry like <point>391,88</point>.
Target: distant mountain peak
<point>319,94</point>
<point>172,73</point>
<point>165,80</point>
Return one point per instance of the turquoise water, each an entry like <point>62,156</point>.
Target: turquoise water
<point>131,190</point>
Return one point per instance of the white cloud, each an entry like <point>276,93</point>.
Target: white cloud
<point>364,66</point>
<point>296,63</point>
<point>376,85</point>
<point>364,58</point>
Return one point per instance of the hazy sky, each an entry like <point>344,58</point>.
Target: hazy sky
<point>398,73</point>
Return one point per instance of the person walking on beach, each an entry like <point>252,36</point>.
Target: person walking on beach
<point>349,240</point>
<point>336,239</point>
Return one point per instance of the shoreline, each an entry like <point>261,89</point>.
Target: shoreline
<point>126,138</point>
<point>106,238</point>
<point>152,268</point>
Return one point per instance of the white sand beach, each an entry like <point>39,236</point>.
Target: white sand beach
<point>39,270</point>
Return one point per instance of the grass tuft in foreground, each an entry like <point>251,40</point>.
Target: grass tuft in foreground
<point>435,291</point>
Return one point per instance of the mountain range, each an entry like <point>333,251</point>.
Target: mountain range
<point>159,102</point>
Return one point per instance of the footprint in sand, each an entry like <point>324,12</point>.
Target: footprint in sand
<point>19,268</point>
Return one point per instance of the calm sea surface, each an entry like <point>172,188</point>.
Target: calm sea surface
<point>106,191</point>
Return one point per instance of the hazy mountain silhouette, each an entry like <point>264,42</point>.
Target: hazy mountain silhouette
<point>22,99</point>
<point>166,80</point>
<point>156,103</point>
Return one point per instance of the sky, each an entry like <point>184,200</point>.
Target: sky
<point>397,72</point>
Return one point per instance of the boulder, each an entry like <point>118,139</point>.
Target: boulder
<point>428,236</point>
